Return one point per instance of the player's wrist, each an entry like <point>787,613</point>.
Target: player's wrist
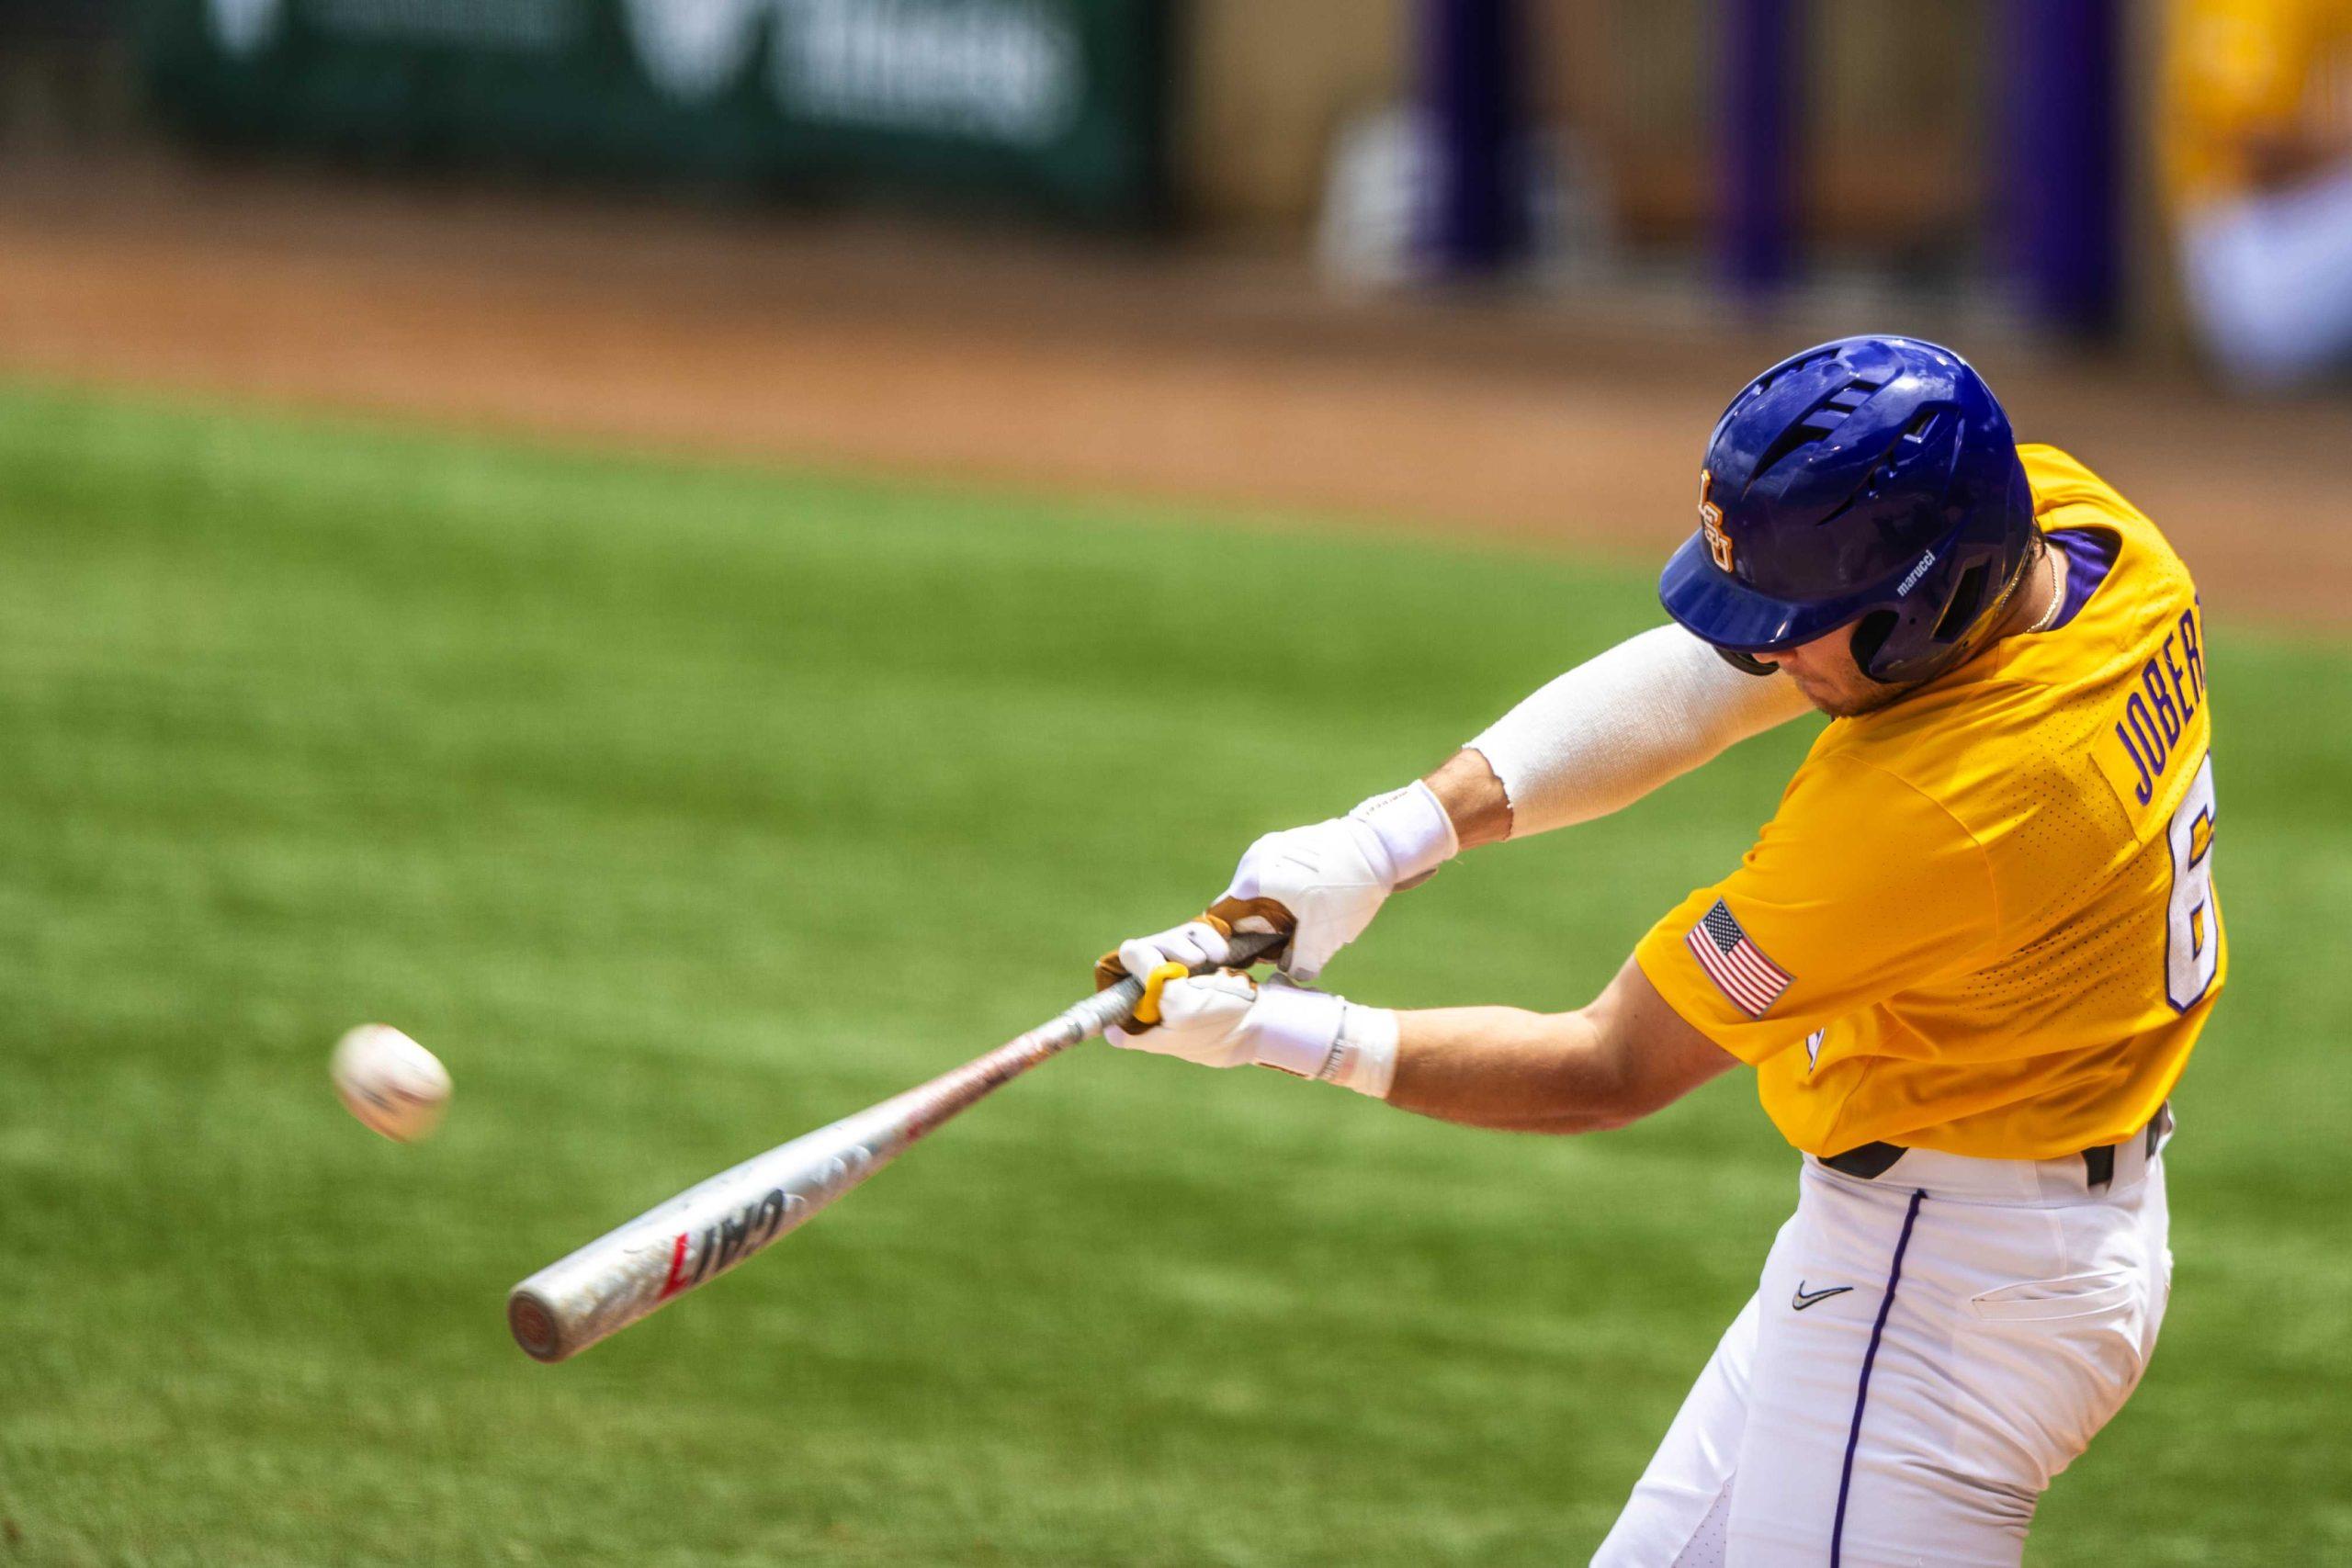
<point>1366,1059</point>
<point>1412,829</point>
<point>1313,1034</point>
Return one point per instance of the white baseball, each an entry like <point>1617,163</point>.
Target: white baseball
<point>390,1082</point>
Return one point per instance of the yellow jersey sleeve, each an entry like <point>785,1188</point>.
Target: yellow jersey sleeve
<point>1860,888</point>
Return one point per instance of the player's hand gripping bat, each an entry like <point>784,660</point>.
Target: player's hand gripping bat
<point>709,1228</point>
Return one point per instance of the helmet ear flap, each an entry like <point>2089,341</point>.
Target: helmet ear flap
<point>1968,602</point>
<point>1959,626</point>
<point>1870,636</point>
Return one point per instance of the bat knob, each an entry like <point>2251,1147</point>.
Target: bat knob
<point>534,1326</point>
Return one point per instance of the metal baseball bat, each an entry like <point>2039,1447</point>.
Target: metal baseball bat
<point>712,1227</point>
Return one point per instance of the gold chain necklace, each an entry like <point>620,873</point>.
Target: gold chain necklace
<point>2056,598</point>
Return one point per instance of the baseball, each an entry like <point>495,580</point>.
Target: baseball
<point>390,1082</point>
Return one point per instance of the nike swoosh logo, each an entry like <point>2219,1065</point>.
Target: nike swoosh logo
<point>1803,1299</point>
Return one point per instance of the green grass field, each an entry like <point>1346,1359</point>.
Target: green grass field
<point>683,809</point>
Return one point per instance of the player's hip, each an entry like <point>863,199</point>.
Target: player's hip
<point>1918,1361</point>
<point>2034,1307</point>
<point>1973,1244</point>
<point>1925,1351</point>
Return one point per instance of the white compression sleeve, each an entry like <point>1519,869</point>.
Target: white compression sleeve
<point>1618,726</point>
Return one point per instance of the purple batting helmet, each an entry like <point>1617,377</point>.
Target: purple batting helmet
<point>1872,480</point>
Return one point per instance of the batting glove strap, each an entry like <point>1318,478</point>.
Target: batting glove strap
<point>1293,1030</point>
<point>1366,1059</point>
<point>1313,1034</point>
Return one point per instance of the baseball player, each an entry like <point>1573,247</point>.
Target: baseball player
<point>1967,957</point>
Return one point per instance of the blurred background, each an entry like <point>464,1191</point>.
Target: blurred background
<point>1440,261</point>
<point>625,536</point>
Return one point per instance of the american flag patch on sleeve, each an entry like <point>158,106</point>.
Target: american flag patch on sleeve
<point>1735,964</point>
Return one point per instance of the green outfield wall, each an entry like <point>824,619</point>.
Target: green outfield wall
<point>1053,105</point>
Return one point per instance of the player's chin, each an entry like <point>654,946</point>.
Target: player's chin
<point>1836,703</point>
<point>1853,705</point>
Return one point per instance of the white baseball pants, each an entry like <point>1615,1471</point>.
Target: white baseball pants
<point>1922,1353</point>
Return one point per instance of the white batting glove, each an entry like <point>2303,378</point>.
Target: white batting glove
<point>1321,883</point>
<point>1227,1020</point>
<point>1331,877</point>
<point>1201,1019</point>
<point>1196,944</point>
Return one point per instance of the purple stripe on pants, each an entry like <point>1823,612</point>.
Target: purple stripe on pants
<point>1862,1394</point>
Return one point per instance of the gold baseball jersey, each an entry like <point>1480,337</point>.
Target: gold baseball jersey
<point>1983,919</point>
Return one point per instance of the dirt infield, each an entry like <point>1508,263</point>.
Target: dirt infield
<point>1040,361</point>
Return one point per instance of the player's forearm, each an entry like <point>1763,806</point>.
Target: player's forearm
<point>1623,1056</point>
<point>1615,1060</point>
<point>1510,1069</point>
<point>1596,739</point>
<point>1618,726</point>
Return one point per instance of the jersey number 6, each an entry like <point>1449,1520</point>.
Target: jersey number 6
<point>2192,929</point>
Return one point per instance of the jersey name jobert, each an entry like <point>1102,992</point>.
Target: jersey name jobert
<point>2153,719</point>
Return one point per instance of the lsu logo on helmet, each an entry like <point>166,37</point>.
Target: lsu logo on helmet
<point>1711,522</point>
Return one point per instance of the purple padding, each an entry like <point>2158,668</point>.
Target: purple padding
<point>2091,554</point>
